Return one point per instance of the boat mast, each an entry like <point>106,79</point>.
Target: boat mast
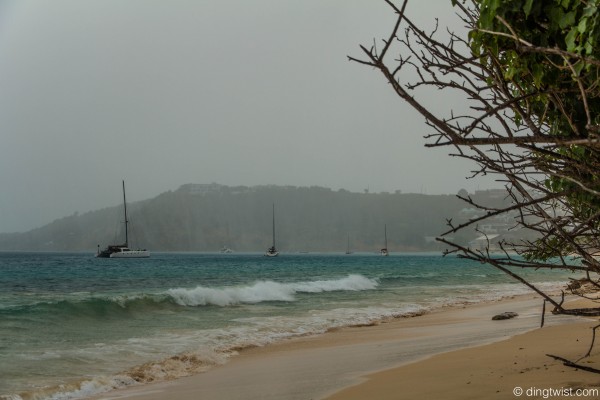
<point>273,225</point>
<point>385,234</point>
<point>125,211</point>
<point>348,245</point>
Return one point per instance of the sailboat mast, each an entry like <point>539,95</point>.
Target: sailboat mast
<point>385,234</point>
<point>126,221</point>
<point>348,246</point>
<point>273,225</point>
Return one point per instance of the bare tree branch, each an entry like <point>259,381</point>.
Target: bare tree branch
<point>509,129</point>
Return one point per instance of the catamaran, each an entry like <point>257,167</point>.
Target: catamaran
<point>122,250</point>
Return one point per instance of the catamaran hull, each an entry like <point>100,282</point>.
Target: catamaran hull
<point>131,254</point>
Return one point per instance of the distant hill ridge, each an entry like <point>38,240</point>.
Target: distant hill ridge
<point>206,217</point>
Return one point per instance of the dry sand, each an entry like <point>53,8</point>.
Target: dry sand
<point>344,364</point>
<point>510,369</point>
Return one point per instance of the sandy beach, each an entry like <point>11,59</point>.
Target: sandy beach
<point>455,353</point>
<point>518,367</point>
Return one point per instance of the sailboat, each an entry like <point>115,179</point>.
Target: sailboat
<point>122,250</point>
<point>226,250</point>
<point>384,251</point>
<point>272,251</point>
<point>348,247</point>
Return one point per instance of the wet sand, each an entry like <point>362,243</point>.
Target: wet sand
<point>383,361</point>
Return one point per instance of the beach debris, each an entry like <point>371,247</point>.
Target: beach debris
<point>571,364</point>
<point>575,364</point>
<point>505,315</point>
<point>584,286</point>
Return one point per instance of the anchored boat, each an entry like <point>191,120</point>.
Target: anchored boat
<point>272,251</point>
<point>122,250</point>
<point>384,252</point>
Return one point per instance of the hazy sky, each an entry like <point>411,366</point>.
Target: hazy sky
<point>163,93</point>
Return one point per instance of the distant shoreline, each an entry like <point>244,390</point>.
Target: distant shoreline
<point>314,219</point>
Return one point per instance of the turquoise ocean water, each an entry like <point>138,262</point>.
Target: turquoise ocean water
<point>72,325</point>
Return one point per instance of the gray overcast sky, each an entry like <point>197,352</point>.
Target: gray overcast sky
<point>162,93</point>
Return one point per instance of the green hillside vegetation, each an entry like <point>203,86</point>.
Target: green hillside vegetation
<point>208,217</point>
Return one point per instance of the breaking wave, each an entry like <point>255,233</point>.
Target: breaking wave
<point>263,291</point>
<point>123,305</point>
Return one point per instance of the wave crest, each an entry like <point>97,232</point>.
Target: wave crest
<point>263,291</point>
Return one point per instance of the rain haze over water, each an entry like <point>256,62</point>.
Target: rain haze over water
<point>166,93</point>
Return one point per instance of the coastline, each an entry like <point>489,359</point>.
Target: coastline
<point>346,362</point>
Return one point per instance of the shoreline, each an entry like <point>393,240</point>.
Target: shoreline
<point>345,359</point>
<point>512,368</point>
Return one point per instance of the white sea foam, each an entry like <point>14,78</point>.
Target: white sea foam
<point>198,351</point>
<point>185,353</point>
<point>351,282</point>
<point>262,291</point>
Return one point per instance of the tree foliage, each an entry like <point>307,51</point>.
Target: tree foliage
<point>530,73</point>
<point>548,53</point>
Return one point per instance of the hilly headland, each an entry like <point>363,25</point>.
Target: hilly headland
<point>208,217</point>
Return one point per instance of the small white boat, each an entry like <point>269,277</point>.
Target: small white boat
<point>272,252</point>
